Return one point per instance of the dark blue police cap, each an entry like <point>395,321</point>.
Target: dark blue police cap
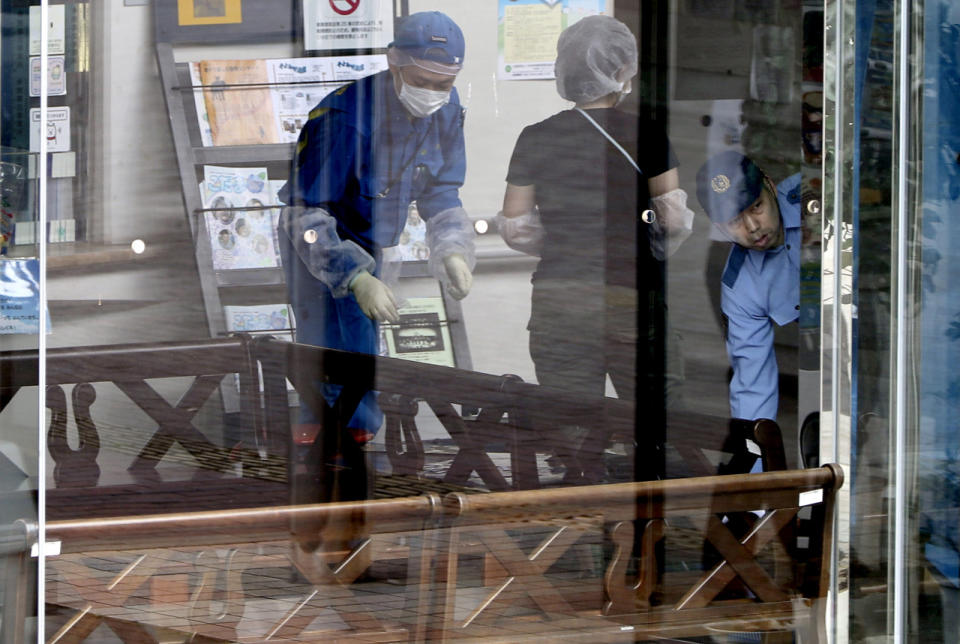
<point>727,184</point>
<point>430,35</point>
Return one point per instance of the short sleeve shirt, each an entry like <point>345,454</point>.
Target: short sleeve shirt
<point>588,194</point>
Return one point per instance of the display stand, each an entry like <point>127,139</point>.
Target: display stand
<point>263,21</point>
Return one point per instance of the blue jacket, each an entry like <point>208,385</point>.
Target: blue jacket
<point>761,288</point>
<point>364,160</point>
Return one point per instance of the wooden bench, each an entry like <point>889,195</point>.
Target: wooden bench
<point>236,576</point>
<point>261,465</point>
<point>655,584</point>
<point>514,566</point>
<point>89,480</point>
<point>478,410</point>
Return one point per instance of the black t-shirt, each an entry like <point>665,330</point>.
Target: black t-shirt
<point>588,194</point>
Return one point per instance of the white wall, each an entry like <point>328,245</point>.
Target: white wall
<point>496,110</point>
<point>140,185</point>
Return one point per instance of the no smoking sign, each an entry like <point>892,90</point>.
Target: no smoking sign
<point>331,25</point>
<point>344,7</point>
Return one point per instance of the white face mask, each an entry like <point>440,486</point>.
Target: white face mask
<point>422,102</point>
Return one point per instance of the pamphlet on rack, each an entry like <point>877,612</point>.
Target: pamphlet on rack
<point>261,319</point>
<point>239,238</point>
<point>238,102</point>
<point>412,245</point>
<point>277,99</point>
<point>298,84</point>
<point>423,333</point>
<point>199,101</point>
<point>274,185</point>
<point>274,319</point>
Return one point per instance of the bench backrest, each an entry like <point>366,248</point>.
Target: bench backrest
<point>655,558</point>
<point>679,564</point>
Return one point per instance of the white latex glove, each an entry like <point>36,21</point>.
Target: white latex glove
<point>459,274</point>
<point>375,298</point>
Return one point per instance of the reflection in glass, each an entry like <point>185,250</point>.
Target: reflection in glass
<point>184,486</point>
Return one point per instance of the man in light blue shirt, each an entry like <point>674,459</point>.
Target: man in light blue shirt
<point>761,280</point>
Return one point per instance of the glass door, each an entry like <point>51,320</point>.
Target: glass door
<point>22,314</point>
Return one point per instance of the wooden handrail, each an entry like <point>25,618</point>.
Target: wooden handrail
<point>643,499</point>
<point>114,362</point>
<point>410,513</point>
<point>236,526</point>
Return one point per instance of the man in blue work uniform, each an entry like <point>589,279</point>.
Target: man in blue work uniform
<point>761,280</point>
<point>366,153</point>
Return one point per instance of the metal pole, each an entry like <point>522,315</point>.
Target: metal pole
<point>901,401</point>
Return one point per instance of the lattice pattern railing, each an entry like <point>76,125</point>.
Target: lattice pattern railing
<point>512,566</point>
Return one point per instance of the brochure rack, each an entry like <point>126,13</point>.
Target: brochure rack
<point>263,21</point>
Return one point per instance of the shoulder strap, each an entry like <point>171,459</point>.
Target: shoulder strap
<point>611,139</point>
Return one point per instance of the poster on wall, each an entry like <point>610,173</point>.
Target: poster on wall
<point>209,12</point>
<point>527,33</point>
<point>56,30</point>
<point>56,76</point>
<point>347,24</point>
<point>56,129</point>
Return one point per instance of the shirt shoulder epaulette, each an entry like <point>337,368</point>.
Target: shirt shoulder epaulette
<point>734,264</point>
<point>794,195</point>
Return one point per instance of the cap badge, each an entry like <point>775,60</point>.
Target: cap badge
<point>438,39</point>
<point>720,183</point>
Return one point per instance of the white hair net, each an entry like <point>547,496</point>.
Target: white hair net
<point>590,53</point>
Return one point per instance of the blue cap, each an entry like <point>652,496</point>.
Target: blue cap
<point>728,184</point>
<point>430,35</point>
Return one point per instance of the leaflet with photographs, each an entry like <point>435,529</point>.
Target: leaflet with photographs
<point>273,319</point>
<point>240,227</point>
<point>423,333</point>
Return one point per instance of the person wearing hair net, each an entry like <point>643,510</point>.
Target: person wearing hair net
<point>367,152</point>
<point>599,210</point>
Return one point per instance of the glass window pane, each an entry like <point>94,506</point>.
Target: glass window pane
<point>377,321</point>
<point>930,539</point>
<point>20,312</point>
